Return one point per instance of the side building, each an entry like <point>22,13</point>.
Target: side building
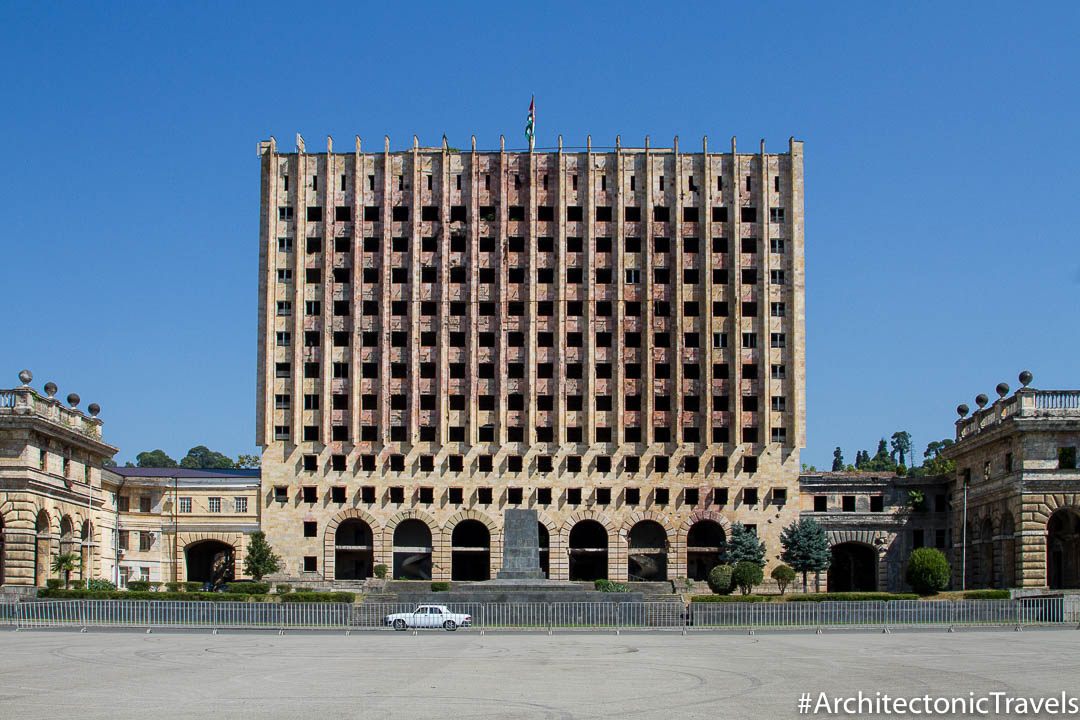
<point>51,491</point>
<point>873,522</point>
<point>1018,520</point>
<point>612,336</point>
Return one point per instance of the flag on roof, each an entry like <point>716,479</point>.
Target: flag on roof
<point>530,126</point>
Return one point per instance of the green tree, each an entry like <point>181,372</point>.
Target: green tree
<point>882,460</point>
<point>837,460</point>
<point>202,457</point>
<point>108,462</point>
<point>862,459</point>
<point>901,446</point>
<point>783,575</point>
<point>746,575</point>
<point>744,546</point>
<point>248,462</point>
<point>261,560</point>
<point>933,463</point>
<point>719,579</point>
<point>155,459</point>
<point>65,563</point>
<point>927,571</point>
<point>806,548</point>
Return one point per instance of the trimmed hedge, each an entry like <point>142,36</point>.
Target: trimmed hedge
<point>53,583</point>
<point>283,589</point>
<point>719,579</point>
<point>851,596</point>
<point>326,597</point>
<point>987,595</point>
<point>100,584</point>
<point>440,586</point>
<point>731,599</point>
<point>248,588</point>
<point>138,585</point>
<point>138,595</point>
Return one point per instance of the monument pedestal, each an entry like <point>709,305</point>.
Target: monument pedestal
<point>521,547</point>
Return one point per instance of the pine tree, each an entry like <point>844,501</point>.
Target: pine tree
<point>744,546</point>
<point>837,460</point>
<point>261,560</point>
<point>806,548</point>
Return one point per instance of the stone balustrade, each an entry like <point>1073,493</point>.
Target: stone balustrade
<point>1025,403</point>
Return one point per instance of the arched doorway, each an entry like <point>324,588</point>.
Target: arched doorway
<point>704,547</point>
<point>412,551</point>
<point>353,550</point>
<point>210,562</point>
<point>67,536</point>
<point>588,551</point>
<point>647,559</point>
<point>1008,551</point>
<point>42,549</point>
<point>1063,549</point>
<point>986,554</point>
<point>470,556</point>
<point>853,568</point>
<point>545,549</point>
<point>1,550</point>
<point>86,567</point>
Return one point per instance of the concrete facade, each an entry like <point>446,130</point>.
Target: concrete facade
<point>612,335</point>
<point>1017,458</point>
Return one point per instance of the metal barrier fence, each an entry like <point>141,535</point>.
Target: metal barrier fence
<point>549,617</point>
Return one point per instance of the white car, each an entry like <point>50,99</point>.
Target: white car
<point>429,616</point>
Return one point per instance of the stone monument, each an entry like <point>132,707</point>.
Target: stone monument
<point>521,547</point>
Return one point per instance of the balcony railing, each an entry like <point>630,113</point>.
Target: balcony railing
<point>1025,403</point>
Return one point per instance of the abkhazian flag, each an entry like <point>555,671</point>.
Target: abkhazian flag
<point>531,124</point>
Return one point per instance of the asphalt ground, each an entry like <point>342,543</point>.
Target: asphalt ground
<point>130,674</point>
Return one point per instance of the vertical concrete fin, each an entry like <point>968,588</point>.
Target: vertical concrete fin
<point>560,143</point>
<point>502,143</point>
<point>474,143</point>
<point>329,144</point>
<point>357,144</point>
<point>705,144</point>
<point>732,144</point>
<point>386,143</point>
<point>675,148</point>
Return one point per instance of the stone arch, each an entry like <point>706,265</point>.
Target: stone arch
<point>42,545</point>
<point>425,564</point>
<point>700,515</point>
<point>550,556</point>
<point>330,553</point>
<point>986,577</point>
<point>648,538</point>
<point>1063,548</point>
<point>471,549</point>
<point>86,549</point>
<point>211,560</point>
<point>1007,550</point>
<point>3,537</point>
<point>615,552</point>
<point>67,534</point>
<point>855,567</point>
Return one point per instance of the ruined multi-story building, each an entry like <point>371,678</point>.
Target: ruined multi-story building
<point>613,337</point>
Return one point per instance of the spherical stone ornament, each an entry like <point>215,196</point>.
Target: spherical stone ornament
<point>25,376</point>
<point>73,400</point>
<point>50,388</point>
<point>93,409</point>
<point>1002,389</point>
<point>1025,378</point>
<point>981,400</point>
<point>961,410</point>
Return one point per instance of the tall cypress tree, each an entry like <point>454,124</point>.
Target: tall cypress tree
<point>806,548</point>
<point>837,460</point>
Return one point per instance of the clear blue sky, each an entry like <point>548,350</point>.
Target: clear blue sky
<point>941,182</point>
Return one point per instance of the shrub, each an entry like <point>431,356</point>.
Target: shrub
<point>987,595</point>
<point>719,579</point>
<point>139,585</point>
<point>193,586</point>
<point>100,584</point>
<point>283,589</point>
<point>53,583</point>
<point>610,586</point>
<point>380,571</point>
<point>440,586</point>
<point>326,597</point>
<point>155,585</point>
<point>783,575</point>
<point>248,588</point>
<point>746,575</point>
<point>857,596</point>
<point>175,587</point>
<point>138,595</point>
<point>927,571</point>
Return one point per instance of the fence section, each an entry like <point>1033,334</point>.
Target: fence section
<point>610,616</point>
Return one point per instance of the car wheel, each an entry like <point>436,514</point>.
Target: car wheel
<point>450,625</point>
<point>399,624</point>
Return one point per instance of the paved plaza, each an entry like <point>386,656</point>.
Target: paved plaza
<point>520,675</point>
